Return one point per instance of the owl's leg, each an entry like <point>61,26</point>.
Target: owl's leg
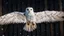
<point>27,27</point>
<point>30,26</point>
<point>34,26</point>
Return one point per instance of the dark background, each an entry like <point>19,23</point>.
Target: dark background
<point>43,29</point>
<point>38,5</point>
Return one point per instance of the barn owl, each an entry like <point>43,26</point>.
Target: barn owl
<point>31,18</point>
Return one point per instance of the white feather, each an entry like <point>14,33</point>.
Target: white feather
<point>14,17</point>
<point>30,16</point>
<point>49,16</point>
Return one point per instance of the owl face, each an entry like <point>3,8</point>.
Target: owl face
<point>29,9</point>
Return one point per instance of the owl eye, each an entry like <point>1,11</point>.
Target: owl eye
<point>30,9</point>
<point>27,9</point>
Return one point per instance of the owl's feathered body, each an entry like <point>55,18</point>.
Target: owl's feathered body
<point>31,18</point>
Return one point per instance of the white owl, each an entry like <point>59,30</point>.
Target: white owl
<point>31,18</point>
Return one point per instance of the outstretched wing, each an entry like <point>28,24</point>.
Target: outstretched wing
<point>49,16</point>
<point>14,17</point>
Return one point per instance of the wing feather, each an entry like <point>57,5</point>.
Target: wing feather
<point>49,16</point>
<point>14,17</point>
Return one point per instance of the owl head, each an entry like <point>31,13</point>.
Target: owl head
<point>29,9</point>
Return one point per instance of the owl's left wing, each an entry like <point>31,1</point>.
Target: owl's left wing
<point>49,16</point>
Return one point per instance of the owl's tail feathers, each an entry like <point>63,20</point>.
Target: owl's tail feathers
<point>30,26</point>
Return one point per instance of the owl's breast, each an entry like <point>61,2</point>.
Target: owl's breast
<point>30,17</point>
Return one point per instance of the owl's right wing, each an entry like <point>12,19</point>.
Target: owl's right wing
<point>14,17</point>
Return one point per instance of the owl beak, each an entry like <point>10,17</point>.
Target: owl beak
<point>28,11</point>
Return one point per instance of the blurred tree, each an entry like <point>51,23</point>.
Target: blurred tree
<point>0,7</point>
